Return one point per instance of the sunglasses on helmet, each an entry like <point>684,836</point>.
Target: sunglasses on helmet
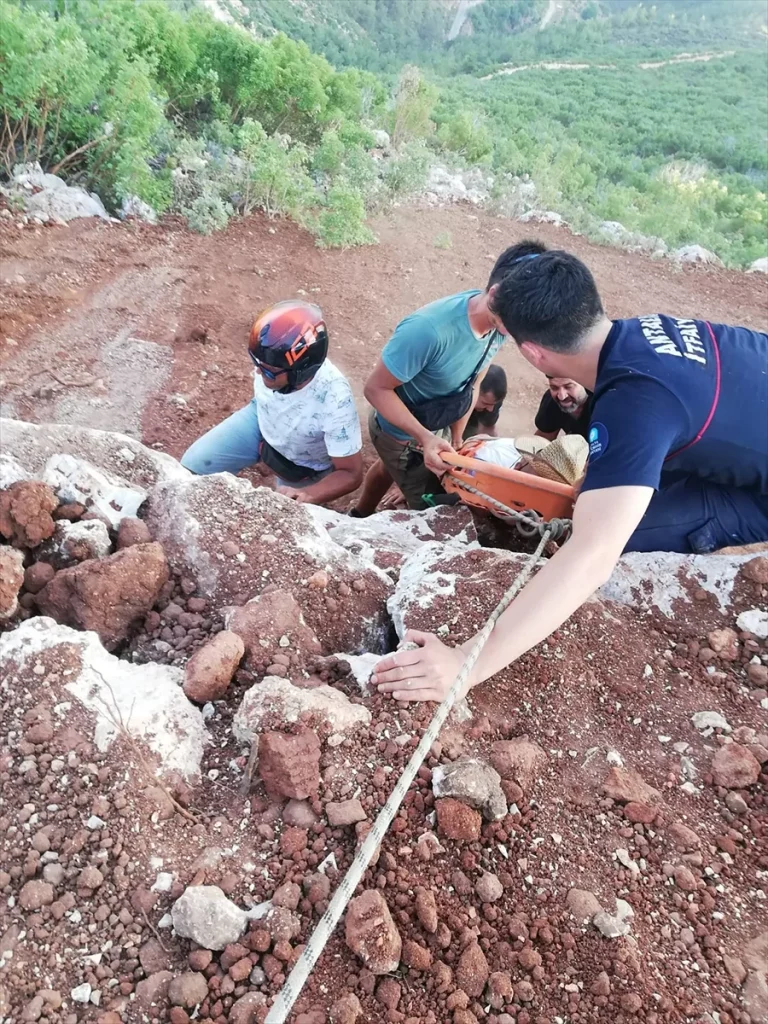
<point>264,370</point>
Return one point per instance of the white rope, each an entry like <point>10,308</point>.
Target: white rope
<point>528,523</point>
<point>318,940</point>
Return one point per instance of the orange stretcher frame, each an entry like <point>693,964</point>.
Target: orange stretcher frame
<point>520,491</point>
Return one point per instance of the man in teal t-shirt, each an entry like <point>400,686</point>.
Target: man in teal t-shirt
<point>425,386</point>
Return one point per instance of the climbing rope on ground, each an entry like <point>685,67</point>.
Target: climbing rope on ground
<point>318,940</point>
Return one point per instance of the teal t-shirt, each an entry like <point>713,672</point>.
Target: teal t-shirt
<point>434,351</point>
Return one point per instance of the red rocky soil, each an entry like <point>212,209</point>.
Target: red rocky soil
<point>143,329</point>
<point>611,790</point>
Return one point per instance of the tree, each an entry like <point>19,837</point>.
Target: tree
<point>414,102</point>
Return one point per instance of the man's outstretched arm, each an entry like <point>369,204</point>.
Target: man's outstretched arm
<point>346,477</point>
<point>603,522</point>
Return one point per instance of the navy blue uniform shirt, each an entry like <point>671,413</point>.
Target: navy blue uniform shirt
<point>682,397</point>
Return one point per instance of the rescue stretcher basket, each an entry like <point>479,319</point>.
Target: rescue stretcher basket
<point>532,500</point>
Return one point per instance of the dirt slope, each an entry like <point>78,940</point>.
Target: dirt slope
<point>95,319</point>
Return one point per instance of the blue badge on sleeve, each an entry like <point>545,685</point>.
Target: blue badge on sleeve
<point>598,440</point>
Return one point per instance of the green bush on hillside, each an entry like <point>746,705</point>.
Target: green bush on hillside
<point>178,109</point>
<point>157,99</point>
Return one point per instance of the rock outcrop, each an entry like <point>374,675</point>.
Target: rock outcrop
<point>107,595</point>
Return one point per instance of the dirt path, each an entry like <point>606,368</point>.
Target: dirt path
<point>679,58</point>
<point>95,319</point>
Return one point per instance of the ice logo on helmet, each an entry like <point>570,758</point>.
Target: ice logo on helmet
<point>598,440</point>
<point>300,346</point>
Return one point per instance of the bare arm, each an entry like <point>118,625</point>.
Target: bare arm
<point>380,392</point>
<point>603,522</point>
<point>458,428</point>
<point>346,477</point>
<point>548,435</point>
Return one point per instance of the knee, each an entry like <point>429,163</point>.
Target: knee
<point>193,460</point>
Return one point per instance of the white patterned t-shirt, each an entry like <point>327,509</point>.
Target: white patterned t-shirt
<point>314,425</point>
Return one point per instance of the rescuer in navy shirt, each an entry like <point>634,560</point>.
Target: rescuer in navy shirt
<point>678,453</point>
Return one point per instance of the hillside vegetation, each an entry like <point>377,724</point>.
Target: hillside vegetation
<point>274,110</point>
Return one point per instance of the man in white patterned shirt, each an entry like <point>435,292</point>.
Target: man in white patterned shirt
<point>302,421</point>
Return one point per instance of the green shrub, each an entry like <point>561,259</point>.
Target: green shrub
<point>341,222</point>
<point>275,177</point>
<point>414,102</point>
<point>406,173</point>
<point>208,213</point>
<point>466,134</point>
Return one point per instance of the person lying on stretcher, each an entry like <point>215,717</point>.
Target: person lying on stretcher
<point>563,461</point>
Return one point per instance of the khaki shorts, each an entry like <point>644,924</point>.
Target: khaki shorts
<point>405,463</point>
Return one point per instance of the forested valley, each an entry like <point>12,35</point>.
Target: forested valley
<point>655,116</point>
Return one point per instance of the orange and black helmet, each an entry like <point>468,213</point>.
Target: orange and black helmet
<point>289,337</point>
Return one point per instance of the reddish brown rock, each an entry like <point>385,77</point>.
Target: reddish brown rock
<point>735,767</point>
<point>472,971</point>
<point>457,821</point>
<point>346,1010</point>
<point>199,959</point>
<point>426,910</point>
<point>631,1002</point>
<point>265,620</point>
<point>318,580</point>
<point>640,813</point>
<point>132,531</point>
<point>153,991</point>
<point>528,958</point>
<point>289,765</point>
<point>685,879</point>
<point>209,671</point>
<point>628,787</point>
<point>488,888</point>
<point>107,595</point>
<point>25,513</point>
<point>725,643</point>
<point>71,511</point>
<point>389,993</point>
<point>417,957</point>
<point>35,894</point>
<point>344,812</point>
<point>520,760</point>
<point>756,570</point>
<point>188,990</point>
<point>248,1009</point>
<point>601,986</point>
<point>499,990</point>
<point>153,957</point>
<point>371,933</point>
<point>683,837</point>
<point>37,576</point>
<point>737,972</point>
<point>583,904</point>
<point>11,580</point>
